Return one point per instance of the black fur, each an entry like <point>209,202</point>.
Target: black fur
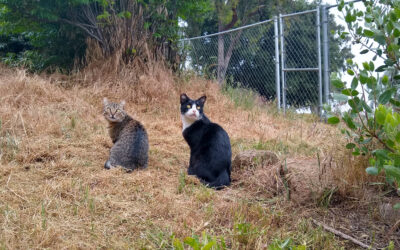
<point>210,148</point>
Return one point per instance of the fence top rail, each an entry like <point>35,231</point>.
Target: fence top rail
<point>228,31</point>
<point>298,13</point>
<point>248,26</point>
<point>336,5</point>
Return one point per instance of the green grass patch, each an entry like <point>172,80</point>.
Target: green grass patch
<point>241,97</point>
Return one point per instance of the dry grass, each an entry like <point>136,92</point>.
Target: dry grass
<point>54,192</point>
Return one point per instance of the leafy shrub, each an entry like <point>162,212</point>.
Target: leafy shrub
<point>372,119</point>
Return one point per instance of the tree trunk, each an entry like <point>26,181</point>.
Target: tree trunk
<point>224,59</point>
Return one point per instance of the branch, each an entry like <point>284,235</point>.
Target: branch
<point>343,235</point>
<point>231,46</point>
<point>233,21</point>
<point>84,28</point>
<point>256,11</point>
<point>393,229</point>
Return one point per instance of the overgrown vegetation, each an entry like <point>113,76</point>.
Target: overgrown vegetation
<point>62,34</point>
<point>372,119</point>
<point>54,192</point>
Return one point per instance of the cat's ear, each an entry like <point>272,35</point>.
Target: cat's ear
<point>184,98</point>
<point>122,103</point>
<point>105,101</point>
<point>202,99</point>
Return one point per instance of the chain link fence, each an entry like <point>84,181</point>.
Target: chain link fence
<point>300,60</point>
<point>241,57</point>
<point>280,59</point>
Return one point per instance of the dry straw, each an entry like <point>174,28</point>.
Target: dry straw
<point>54,192</point>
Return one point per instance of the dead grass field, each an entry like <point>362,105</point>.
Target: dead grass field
<point>55,194</point>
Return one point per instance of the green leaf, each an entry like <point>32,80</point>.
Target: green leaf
<point>381,153</point>
<point>380,117</point>
<point>395,102</point>
<point>338,83</point>
<point>368,33</point>
<point>363,77</point>
<point>147,25</point>
<point>365,65</point>
<point>209,245</point>
<point>349,18</point>
<point>397,206</point>
<point>350,145</point>
<point>389,62</point>
<point>381,39</point>
<point>371,82</point>
<point>385,97</point>
<point>354,83</point>
<point>390,143</point>
<point>354,104</point>
<point>178,244</point>
<point>371,66</point>
<point>341,5</point>
<point>339,97</point>
<point>191,242</point>
<point>346,92</point>
<point>372,171</point>
<point>366,106</point>
<point>366,141</point>
<point>350,92</point>
<point>381,68</point>
<point>349,121</point>
<point>333,120</point>
<point>385,79</point>
<point>365,51</point>
<point>392,171</point>
<point>397,12</point>
<point>350,72</point>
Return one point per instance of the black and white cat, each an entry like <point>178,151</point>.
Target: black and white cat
<point>210,148</point>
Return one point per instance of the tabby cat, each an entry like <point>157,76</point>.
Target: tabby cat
<point>131,144</point>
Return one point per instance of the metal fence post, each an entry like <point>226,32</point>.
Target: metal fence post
<point>277,73</point>
<point>282,62</point>
<point>325,45</point>
<point>319,63</point>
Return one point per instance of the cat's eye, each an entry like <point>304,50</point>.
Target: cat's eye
<point>188,106</point>
<point>198,107</point>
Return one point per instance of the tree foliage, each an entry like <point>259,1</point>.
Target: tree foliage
<point>56,32</point>
<point>373,121</point>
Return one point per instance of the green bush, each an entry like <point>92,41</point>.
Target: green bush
<point>372,96</point>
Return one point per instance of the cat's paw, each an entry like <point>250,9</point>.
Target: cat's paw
<point>108,165</point>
